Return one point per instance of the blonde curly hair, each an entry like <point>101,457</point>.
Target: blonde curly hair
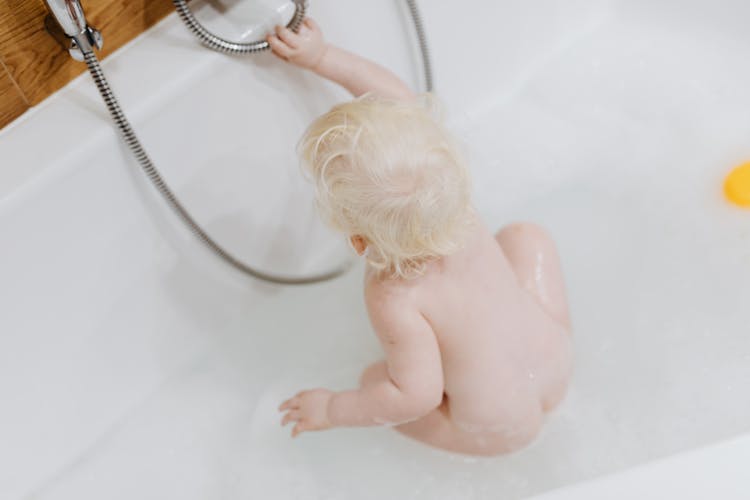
<point>390,172</point>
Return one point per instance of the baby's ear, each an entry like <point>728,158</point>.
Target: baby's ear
<point>359,244</point>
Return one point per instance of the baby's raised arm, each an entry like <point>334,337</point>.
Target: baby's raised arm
<point>307,49</point>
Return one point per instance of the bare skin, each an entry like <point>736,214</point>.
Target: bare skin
<point>477,349</point>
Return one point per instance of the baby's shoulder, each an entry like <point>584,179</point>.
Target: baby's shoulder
<point>389,293</point>
<point>393,310</point>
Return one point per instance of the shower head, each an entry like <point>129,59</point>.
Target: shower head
<point>71,19</point>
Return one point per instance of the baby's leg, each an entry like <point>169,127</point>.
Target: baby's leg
<point>533,257</point>
<point>437,429</point>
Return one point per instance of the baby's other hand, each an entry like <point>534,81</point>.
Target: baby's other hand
<point>309,409</point>
<point>304,49</point>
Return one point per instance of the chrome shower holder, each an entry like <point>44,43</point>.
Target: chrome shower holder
<point>93,39</point>
<point>67,24</point>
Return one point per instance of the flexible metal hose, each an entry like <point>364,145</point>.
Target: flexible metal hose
<point>135,146</point>
<point>216,43</point>
<point>219,44</point>
<point>424,47</point>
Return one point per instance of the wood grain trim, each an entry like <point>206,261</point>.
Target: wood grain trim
<point>39,65</point>
<point>12,101</point>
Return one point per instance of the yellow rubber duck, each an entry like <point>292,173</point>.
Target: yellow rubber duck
<point>737,186</point>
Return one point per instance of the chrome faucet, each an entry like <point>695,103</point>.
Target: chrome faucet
<point>82,38</point>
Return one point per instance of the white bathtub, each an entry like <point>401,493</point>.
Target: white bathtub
<point>133,365</point>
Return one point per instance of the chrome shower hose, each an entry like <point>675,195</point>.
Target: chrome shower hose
<point>219,44</point>
<point>216,43</point>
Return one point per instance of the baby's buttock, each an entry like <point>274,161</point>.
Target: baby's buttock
<point>516,375</point>
<point>506,360</point>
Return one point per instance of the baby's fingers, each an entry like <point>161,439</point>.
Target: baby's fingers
<point>289,404</point>
<point>278,47</point>
<point>292,416</point>
<point>299,429</point>
<point>310,23</point>
<point>287,36</point>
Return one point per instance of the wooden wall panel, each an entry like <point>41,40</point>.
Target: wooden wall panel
<point>12,101</point>
<point>38,64</point>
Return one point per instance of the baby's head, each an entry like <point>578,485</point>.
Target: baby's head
<point>390,176</point>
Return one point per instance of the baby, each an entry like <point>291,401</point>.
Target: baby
<point>474,326</point>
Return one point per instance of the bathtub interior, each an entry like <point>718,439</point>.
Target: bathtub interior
<point>133,364</point>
